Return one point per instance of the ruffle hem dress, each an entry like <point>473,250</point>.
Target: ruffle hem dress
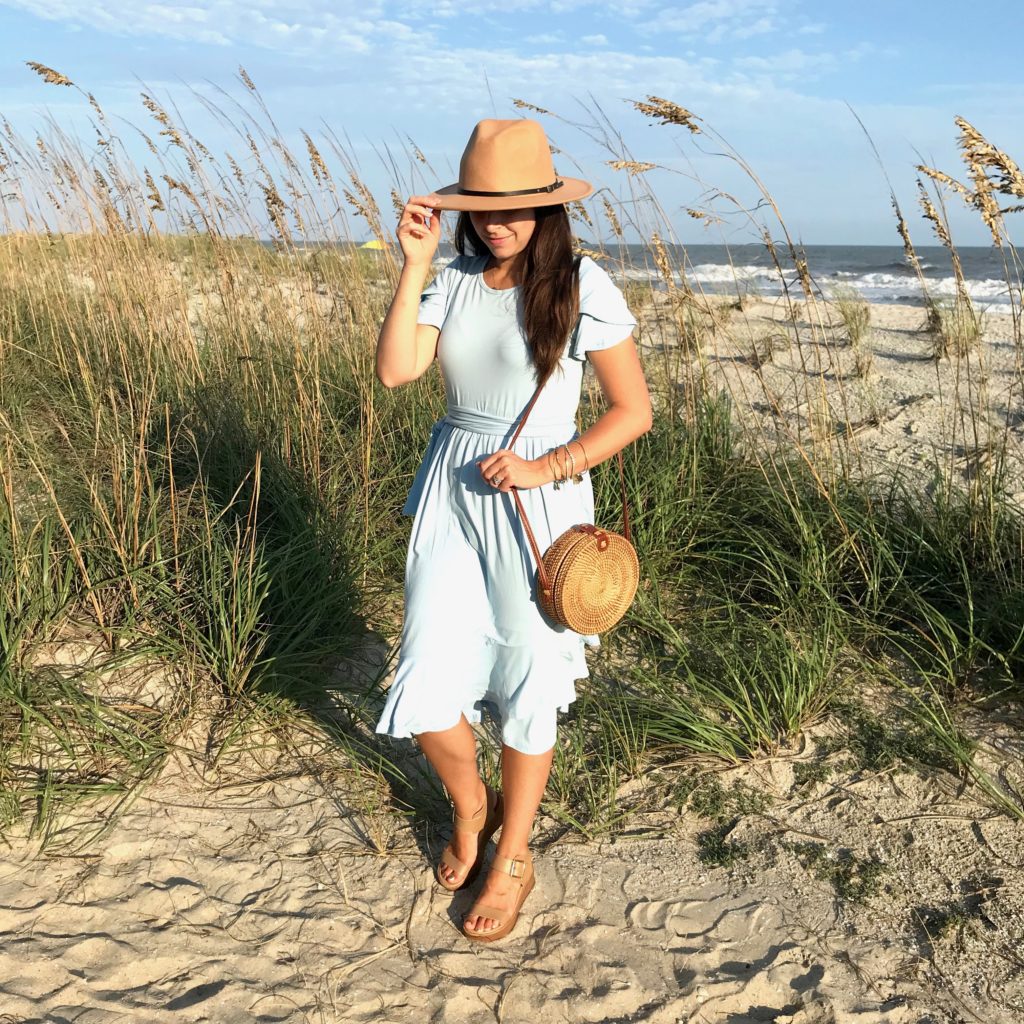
<point>474,634</point>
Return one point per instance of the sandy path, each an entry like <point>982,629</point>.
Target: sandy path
<point>266,903</point>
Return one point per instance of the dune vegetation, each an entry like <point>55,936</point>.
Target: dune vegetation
<point>201,547</point>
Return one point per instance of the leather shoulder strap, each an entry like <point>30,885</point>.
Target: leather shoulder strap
<point>545,582</point>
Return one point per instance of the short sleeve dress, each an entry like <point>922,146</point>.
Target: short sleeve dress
<point>474,634</point>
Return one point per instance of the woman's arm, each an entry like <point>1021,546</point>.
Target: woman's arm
<point>629,415</point>
<point>405,348</point>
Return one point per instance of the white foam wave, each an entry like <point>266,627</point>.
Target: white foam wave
<point>876,286</point>
<point>990,293</point>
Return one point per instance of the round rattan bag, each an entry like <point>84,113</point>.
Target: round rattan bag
<point>593,575</point>
<point>588,577</point>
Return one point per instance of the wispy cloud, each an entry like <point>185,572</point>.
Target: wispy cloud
<point>716,20</point>
<point>288,26</point>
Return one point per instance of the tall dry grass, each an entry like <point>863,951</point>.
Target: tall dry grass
<point>199,527</point>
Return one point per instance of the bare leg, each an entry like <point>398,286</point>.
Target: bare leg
<point>524,778</point>
<point>452,752</point>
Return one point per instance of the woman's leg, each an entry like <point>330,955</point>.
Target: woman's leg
<point>524,778</point>
<point>452,752</point>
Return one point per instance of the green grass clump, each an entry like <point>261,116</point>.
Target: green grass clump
<point>708,798</point>
<point>854,878</point>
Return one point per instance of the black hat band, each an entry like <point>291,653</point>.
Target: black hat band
<point>517,192</point>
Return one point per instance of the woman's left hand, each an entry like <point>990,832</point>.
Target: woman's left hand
<point>513,471</point>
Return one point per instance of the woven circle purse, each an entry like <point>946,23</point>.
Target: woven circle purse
<point>588,577</point>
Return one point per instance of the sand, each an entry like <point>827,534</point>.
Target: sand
<point>905,409</point>
<point>260,891</point>
<point>257,891</point>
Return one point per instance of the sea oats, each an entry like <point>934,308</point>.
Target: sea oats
<point>237,172</point>
<point>945,179</point>
<point>153,195</point>
<point>174,183</point>
<point>613,220</point>
<point>928,207</point>
<point>316,161</point>
<point>703,215</point>
<point>582,250</point>
<point>908,246</point>
<point>579,212</point>
<point>367,196</point>
<point>980,152</point>
<point>661,260</point>
<point>246,80</point>
<point>633,166</point>
<point>523,105</point>
<point>668,112</point>
<point>168,129</point>
<point>276,208</point>
<point>416,151</point>
<point>355,204</point>
<point>50,76</point>
<point>396,202</point>
<point>804,274</point>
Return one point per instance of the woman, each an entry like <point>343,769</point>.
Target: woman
<point>512,310</point>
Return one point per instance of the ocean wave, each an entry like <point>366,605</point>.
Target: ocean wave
<point>896,282</point>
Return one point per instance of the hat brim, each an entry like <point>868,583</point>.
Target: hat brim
<point>571,190</point>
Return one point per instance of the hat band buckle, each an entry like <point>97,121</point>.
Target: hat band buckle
<point>557,183</point>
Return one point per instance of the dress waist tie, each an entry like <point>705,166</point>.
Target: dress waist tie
<point>484,423</point>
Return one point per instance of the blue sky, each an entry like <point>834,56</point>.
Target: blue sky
<point>774,79</point>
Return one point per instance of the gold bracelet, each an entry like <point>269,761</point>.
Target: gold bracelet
<point>577,475</point>
<point>585,455</point>
<point>553,466</point>
<point>557,481</point>
<point>573,475</point>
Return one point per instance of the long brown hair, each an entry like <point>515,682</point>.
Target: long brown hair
<point>550,287</point>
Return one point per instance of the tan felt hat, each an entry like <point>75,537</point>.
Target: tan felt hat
<point>507,165</point>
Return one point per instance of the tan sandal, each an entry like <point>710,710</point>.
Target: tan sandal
<point>517,867</point>
<point>484,823</point>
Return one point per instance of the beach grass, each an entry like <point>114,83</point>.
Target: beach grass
<point>200,518</point>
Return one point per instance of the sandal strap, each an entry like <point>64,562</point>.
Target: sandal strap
<point>514,866</point>
<point>449,858</point>
<point>499,914</point>
<point>477,821</point>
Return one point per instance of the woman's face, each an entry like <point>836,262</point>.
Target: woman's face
<point>504,232</point>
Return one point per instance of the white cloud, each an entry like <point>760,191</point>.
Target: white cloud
<point>788,64</point>
<point>598,40</point>
<point>715,20</point>
<point>293,26</point>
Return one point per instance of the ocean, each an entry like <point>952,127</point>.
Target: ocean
<point>880,273</point>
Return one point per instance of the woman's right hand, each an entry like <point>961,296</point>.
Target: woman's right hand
<point>418,239</point>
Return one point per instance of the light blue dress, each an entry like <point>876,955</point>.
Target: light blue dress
<point>474,634</point>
